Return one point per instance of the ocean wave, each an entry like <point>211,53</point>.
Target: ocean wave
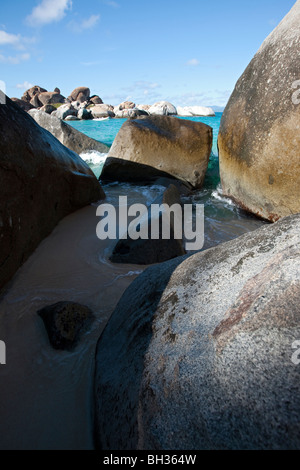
<point>93,157</point>
<point>218,194</point>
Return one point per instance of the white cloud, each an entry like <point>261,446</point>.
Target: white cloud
<point>24,86</point>
<point>85,24</point>
<point>15,40</point>
<point>208,98</point>
<point>111,3</point>
<point>193,62</point>
<point>48,11</point>
<point>11,39</point>
<point>14,60</point>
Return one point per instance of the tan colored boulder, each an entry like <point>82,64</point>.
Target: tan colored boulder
<point>152,145</point>
<point>29,94</point>
<point>162,108</point>
<point>259,139</point>
<point>102,110</point>
<point>41,182</point>
<point>51,97</point>
<point>80,94</point>
<point>35,102</point>
<point>143,107</point>
<point>126,105</point>
<point>96,100</point>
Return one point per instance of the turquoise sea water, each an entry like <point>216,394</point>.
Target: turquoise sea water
<point>105,131</point>
<point>223,219</point>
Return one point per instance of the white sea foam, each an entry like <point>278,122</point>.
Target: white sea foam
<point>218,194</point>
<point>93,157</point>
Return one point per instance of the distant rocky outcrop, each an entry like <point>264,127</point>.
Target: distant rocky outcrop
<point>144,107</point>
<point>50,98</point>
<point>65,323</point>
<point>80,94</point>
<point>48,108</point>
<point>84,114</point>
<point>95,99</point>
<point>38,97</point>
<point>41,182</point>
<point>29,94</point>
<point>190,111</point>
<point>67,135</point>
<point>162,108</point>
<point>152,251</point>
<point>151,145</point>
<point>259,137</point>
<point>102,111</point>
<point>131,113</point>
<point>199,351</point>
<point>65,110</point>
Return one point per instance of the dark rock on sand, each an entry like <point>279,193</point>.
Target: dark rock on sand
<point>198,353</point>
<point>152,251</point>
<point>41,182</point>
<point>65,322</point>
<point>259,137</point>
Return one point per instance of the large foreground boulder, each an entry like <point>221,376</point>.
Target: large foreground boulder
<point>259,137</point>
<point>41,182</point>
<point>199,351</point>
<point>67,135</point>
<point>180,148</point>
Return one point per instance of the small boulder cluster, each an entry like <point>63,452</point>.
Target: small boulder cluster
<point>80,105</point>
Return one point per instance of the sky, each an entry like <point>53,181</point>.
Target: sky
<point>188,52</point>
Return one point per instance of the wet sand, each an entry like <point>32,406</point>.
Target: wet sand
<point>46,395</point>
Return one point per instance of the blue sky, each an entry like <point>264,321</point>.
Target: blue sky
<point>189,52</point>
